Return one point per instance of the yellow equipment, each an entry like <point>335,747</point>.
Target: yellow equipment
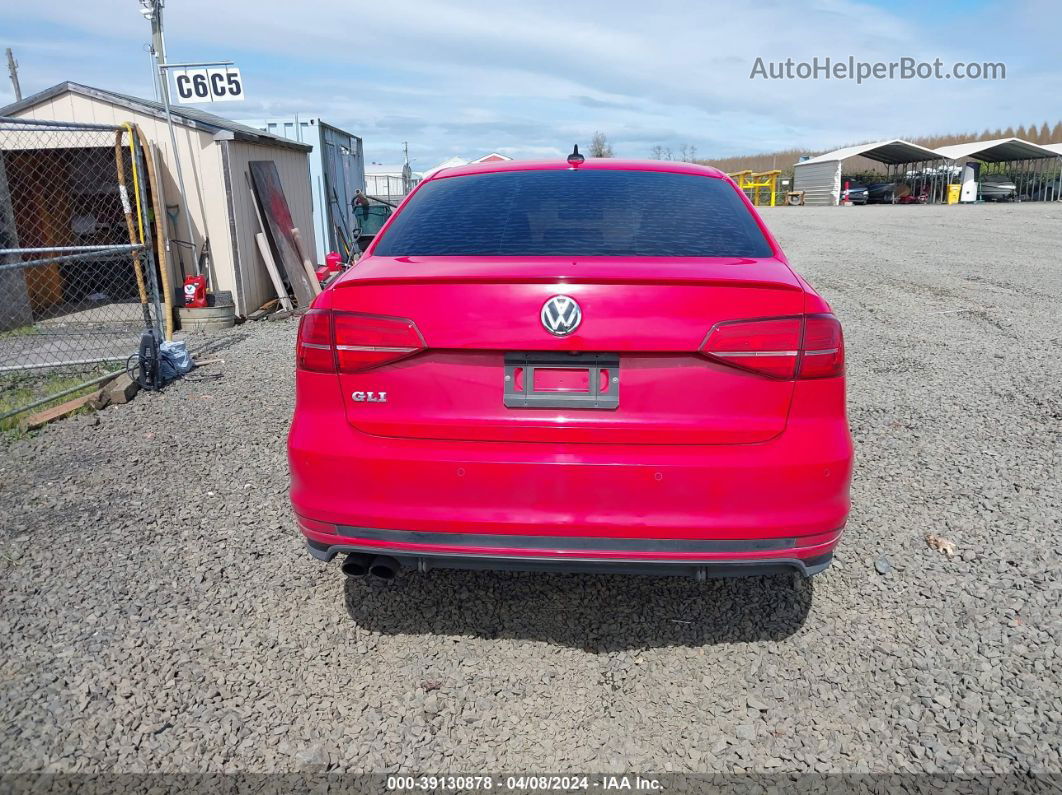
<point>753,182</point>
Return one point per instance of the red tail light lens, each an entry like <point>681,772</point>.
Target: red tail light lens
<point>314,350</point>
<point>808,346</point>
<point>348,342</point>
<point>769,347</point>
<point>367,341</point>
<point>822,353</point>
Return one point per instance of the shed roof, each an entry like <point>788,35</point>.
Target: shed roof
<point>449,162</point>
<point>491,158</point>
<point>221,127</point>
<point>996,151</point>
<point>1056,148</point>
<point>890,152</point>
<point>388,169</point>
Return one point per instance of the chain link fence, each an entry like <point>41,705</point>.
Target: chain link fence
<point>78,280</point>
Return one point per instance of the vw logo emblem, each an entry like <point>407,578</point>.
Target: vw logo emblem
<point>561,315</point>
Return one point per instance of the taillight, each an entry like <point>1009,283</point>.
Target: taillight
<point>350,342</point>
<point>785,347</point>
<point>769,347</point>
<point>367,341</point>
<point>314,350</point>
<point>822,354</point>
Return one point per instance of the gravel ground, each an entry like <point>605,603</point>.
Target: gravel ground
<point>158,612</point>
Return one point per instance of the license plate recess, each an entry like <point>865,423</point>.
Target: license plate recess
<point>602,390</point>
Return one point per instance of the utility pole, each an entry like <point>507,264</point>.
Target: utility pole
<point>152,12</point>
<point>407,172</point>
<point>150,50</point>
<point>12,68</point>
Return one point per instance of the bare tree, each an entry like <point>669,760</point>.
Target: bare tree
<point>599,146</point>
<point>689,153</point>
<point>657,152</point>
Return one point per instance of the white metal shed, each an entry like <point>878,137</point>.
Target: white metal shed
<point>214,154</point>
<point>820,177</point>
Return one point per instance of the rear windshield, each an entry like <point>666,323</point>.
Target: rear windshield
<point>581,212</point>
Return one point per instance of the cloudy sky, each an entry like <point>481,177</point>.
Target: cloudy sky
<point>529,78</point>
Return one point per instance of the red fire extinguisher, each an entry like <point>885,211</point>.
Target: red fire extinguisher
<point>195,291</point>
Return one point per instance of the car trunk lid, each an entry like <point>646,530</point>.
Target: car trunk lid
<point>643,325</point>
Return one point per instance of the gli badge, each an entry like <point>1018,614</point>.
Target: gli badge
<point>369,397</point>
<point>561,315</point>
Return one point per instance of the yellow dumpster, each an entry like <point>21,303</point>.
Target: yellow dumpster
<point>953,193</point>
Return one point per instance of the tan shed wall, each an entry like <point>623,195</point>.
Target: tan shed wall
<point>294,169</point>
<point>236,263</point>
<point>200,162</point>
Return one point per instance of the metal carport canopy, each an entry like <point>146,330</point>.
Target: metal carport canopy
<point>1001,150</point>
<point>888,152</point>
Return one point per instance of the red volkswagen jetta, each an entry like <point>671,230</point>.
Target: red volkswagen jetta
<point>572,366</point>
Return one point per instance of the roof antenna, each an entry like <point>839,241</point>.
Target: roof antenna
<point>575,159</point>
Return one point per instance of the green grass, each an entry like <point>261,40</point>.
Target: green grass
<point>19,390</point>
<point>21,331</point>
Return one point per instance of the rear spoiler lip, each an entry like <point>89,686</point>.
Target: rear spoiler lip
<point>561,280</point>
<point>759,273</point>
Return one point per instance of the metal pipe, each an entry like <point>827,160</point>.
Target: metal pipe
<point>356,564</point>
<point>69,249</point>
<point>195,65</point>
<point>164,84</point>
<point>115,251</point>
<point>14,368</point>
<point>384,568</point>
<point>180,173</point>
<point>21,124</point>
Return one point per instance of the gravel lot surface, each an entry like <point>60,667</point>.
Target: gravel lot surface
<point>158,612</point>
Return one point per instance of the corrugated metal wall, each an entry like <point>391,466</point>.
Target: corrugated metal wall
<point>821,182</point>
<point>337,164</point>
<point>344,172</point>
<point>255,287</point>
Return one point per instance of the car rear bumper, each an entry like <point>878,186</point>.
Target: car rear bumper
<point>681,508</point>
<point>700,559</point>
